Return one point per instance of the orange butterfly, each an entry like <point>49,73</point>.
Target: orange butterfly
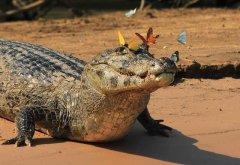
<point>150,37</point>
<point>131,44</point>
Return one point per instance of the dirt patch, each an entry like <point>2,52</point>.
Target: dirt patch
<point>204,113</point>
<point>213,37</point>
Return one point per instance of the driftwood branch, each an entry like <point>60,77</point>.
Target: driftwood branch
<point>191,3</point>
<point>14,12</point>
<point>142,4</point>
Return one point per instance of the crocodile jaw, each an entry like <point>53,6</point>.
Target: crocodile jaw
<point>117,83</point>
<point>164,79</point>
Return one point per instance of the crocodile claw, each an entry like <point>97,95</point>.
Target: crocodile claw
<point>153,127</point>
<point>18,141</point>
<point>158,129</point>
<point>160,120</point>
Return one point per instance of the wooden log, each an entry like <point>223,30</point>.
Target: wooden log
<point>15,12</point>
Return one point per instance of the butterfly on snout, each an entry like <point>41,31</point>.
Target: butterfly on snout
<point>175,57</point>
<point>132,44</point>
<point>150,39</point>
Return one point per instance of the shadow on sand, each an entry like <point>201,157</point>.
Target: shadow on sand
<point>177,149</point>
<point>41,141</point>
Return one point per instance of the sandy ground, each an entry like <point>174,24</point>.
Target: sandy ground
<point>204,112</point>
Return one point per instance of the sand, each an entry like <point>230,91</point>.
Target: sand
<point>204,113</point>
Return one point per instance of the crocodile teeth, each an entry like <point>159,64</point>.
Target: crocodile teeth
<point>164,76</point>
<point>152,76</point>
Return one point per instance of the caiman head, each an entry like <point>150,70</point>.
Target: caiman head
<point>119,70</point>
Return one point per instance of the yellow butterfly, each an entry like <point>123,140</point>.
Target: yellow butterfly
<point>131,44</point>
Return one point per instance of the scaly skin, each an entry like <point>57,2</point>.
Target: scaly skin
<point>68,98</point>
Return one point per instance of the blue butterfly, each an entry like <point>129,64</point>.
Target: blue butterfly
<point>182,38</point>
<point>175,57</point>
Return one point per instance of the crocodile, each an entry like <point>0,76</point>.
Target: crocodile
<point>65,97</point>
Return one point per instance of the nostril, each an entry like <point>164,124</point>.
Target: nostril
<point>172,63</point>
<point>168,61</point>
<point>143,75</point>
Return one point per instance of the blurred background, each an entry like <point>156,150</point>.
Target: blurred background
<point>11,10</point>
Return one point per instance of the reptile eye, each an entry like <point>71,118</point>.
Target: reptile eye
<point>120,49</point>
<point>131,74</point>
<point>124,51</point>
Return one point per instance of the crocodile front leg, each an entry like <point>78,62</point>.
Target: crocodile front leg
<point>25,124</point>
<point>153,126</point>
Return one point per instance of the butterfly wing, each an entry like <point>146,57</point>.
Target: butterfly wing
<point>133,45</point>
<point>152,39</point>
<point>142,38</point>
<point>175,56</point>
<point>182,38</point>
<point>121,39</point>
<point>131,13</point>
<point>149,33</point>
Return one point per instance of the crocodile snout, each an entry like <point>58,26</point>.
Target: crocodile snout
<point>163,65</point>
